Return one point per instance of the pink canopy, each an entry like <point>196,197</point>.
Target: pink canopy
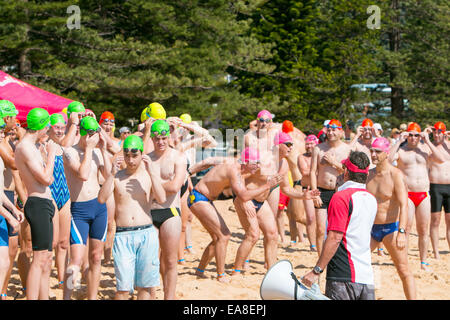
<point>26,97</point>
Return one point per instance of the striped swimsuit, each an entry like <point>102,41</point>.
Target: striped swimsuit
<point>59,189</point>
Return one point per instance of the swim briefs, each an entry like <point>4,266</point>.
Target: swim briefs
<point>159,216</point>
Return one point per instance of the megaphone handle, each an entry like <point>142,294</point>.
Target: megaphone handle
<point>296,287</point>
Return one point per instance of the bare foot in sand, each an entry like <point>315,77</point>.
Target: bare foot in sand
<point>223,278</point>
<point>200,274</point>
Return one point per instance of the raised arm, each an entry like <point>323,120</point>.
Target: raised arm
<point>43,175</point>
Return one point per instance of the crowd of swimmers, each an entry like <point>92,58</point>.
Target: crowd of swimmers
<point>76,194</point>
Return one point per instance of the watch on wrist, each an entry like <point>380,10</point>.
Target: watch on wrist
<point>401,230</point>
<point>317,270</point>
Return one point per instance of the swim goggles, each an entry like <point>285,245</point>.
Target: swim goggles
<point>264,120</point>
<point>160,133</point>
<point>288,144</point>
<point>108,120</point>
<point>133,150</point>
<point>333,126</point>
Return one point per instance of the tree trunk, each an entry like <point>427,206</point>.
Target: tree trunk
<point>394,45</point>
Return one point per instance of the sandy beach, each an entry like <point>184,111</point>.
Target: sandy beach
<point>431,285</point>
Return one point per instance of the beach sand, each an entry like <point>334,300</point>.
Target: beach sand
<point>431,285</point>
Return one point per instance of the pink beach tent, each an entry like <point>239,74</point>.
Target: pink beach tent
<point>26,97</point>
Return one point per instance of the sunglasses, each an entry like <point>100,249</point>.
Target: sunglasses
<point>414,135</point>
<point>132,150</point>
<point>264,120</point>
<point>160,133</point>
<point>108,120</point>
<point>288,144</point>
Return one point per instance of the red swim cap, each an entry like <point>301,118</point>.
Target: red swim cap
<point>413,126</point>
<point>287,126</point>
<point>367,123</point>
<point>106,115</point>
<point>440,126</point>
<point>334,124</point>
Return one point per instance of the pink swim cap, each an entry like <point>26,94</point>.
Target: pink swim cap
<point>313,138</point>
<point>282,137</point>
<point>264,113</point>
<point>382,144</point>
<point>250,154</point>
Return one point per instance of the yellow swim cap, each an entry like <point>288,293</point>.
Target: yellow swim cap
<point>64,110</point>
<point>144,115</point>
<point>186,118</point>
<point>156,111</point>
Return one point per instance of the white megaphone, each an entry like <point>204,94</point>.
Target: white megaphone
<point>280,283</point>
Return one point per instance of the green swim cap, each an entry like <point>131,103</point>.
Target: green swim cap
<point>133,142</point>
<point>75,106</point>
<point>37,119</point>
<point>7,108</point>
<point>88,125</point>
<point>160,127</point>
<point>57,118</point>
<point>2,124</point>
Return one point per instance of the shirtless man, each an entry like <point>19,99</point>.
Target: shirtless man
<point>362,141</point>
<point>166,216</point>
<point>39,208</point>
<point>412,160</point>
<point>13,185</point>
<point>261,218</point>
<point>295,208</point>
<point>387,184</point>
<point>230,173</point>
<point>325,168</point>
<point>136,246</point>
<point>439,173</point>
<point>89,217</point>
<point>304,164</point>
<point>9,224</point>
<point>262,139</point>
<point>187,143</point>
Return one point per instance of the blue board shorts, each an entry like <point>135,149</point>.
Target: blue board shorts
<point>88,218</point>
<point>136,258</point>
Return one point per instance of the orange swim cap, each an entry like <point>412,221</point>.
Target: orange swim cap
<point>106,115</point>
<point>287,126</point>
<point>367,123</point>
<point>413,126</point>
<point>334,124</point>
<point>440,126</point>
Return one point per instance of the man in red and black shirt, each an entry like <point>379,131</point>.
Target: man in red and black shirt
<point>346,251</point>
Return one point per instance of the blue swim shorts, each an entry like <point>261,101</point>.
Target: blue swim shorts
<point>136,258</point>
<point>88,218</point>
